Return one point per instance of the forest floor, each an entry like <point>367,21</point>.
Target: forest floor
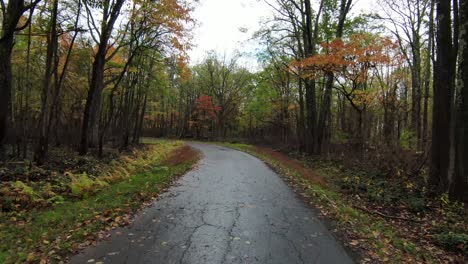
<point>383,219</point>
<point>51,211</point>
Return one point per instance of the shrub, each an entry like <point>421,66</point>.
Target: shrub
<point>453,241</point>
<point>416,204</point>
<point>26,191</point>
<point>407,139</point>
<point>82,184</point>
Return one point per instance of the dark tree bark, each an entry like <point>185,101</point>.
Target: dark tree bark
<point>459,187</point>
<point>443,90</point>
<point>12,13</point>
<point>310,92</point>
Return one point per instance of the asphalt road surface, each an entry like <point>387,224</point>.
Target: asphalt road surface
<point>231,209</point>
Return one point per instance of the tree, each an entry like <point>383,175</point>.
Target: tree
<point>459,186</point>
<point>12,12</point>
<point>225,81</point>
<point>110,13</point>
<point>351,63</point>
<point>345,7</point>
<point>204,116</point>
<point>443,94</point>
<point>51,69</point>
<point>407,18</point>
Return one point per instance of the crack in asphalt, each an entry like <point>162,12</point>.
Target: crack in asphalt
<point>230,233</point>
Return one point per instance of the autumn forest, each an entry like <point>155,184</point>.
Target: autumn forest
<point>383,90</point>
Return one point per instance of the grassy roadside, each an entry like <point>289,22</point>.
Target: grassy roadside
<point>375,238</point>
<point>49,234</point>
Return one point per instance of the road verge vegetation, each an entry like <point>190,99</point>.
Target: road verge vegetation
<point>382,223</point>
<point>46,220</point>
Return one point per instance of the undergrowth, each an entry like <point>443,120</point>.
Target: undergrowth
<point>94,204</point>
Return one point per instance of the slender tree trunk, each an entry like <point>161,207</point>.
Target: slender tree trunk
<point>26,114</point>
<point>301,121</point>
<point>416,91</point>
<point>50,68</point>
<point>427,77</point>
<point>140,122</point>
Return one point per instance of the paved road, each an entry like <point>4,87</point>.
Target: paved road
<point>232,209</point>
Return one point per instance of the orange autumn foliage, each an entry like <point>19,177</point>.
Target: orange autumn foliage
<point>351,59</point>
<point>352,62</point>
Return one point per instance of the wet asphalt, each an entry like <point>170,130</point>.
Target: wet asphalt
<point>231,209</point>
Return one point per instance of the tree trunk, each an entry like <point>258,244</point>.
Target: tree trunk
<point>442,99</point>
<point>416,91</point>
<point>93,102</point>
<point>310,93</point>
<point>427,78</point>
<point>327,96</point>
<point>14,11</point>
<point>92,111</point>
<point>459,187</point>
<point>301,121</point>
<point>50,68</point>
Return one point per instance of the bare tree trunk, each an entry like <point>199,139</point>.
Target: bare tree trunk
<point>50,68</point>
<point>443,91</point>
<point>139,126</point>
<point>427,77</point>
<point>310,93</point>
<point>93,101</point>
<point>11,16</point>
<point>460,179</point>
<point>26,114</point>
<point>416,91</point>
<point>301,121</point>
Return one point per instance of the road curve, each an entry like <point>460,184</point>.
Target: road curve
<point>231,209</point>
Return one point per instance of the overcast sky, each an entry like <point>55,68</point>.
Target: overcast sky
<point>220,22</point>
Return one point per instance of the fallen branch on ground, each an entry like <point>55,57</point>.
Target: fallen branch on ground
<point>386,216</point>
